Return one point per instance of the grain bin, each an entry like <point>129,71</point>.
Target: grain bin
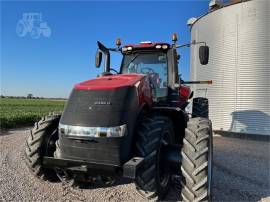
<point>238,35</point>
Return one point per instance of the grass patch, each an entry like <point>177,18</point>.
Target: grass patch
<point>18,112</point>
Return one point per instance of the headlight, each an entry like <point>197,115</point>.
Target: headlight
<point>164,46</point>
<point>118,131</point>
<point>80,131</point>
<point>129,48</point>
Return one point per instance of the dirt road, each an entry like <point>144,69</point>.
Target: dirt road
<point>241,173</point>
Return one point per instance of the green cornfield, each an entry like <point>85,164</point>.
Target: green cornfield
<point>19,112</point>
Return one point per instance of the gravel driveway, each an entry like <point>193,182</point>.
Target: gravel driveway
<point>241,173</point>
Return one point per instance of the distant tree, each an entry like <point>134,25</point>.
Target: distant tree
<point>29,96</point>
<point>2,96</point>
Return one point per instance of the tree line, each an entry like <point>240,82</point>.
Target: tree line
<point>30,96</point>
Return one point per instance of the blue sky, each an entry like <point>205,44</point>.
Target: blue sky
<point>50,67</point>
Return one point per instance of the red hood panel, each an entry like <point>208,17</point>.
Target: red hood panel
<point>110,82</point>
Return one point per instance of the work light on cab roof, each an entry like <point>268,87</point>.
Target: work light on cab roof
<point>146,45</point>
<point>118,42</point>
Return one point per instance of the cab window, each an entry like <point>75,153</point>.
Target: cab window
<point>152,64</point>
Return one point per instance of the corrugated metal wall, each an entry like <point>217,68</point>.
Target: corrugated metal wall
<point>239,65</point>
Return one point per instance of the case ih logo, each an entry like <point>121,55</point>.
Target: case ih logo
<point>102,103</point>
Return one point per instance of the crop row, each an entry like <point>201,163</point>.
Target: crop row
<point>19,112</point>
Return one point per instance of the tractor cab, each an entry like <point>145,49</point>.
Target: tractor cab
<point>147,59</point>
<point>150,59</point>
<point>158,61</point>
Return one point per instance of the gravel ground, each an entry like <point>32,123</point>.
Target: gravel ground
<point>241,173</point>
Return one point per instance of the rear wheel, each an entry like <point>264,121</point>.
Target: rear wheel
<point>197,157</point>
<point>153,179</point>
<point>200,107</point>
<point>41,142</point>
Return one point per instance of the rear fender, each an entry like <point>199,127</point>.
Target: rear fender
<point>179,118</point>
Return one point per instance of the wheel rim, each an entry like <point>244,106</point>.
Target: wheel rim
<point>163,174</point>
<point>210,166</point>
<point>51,144</point>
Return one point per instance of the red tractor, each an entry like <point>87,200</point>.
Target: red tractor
<point>130,123</point>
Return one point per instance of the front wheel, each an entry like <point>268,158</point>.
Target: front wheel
<point>197,161</point>
<point>40,143</point>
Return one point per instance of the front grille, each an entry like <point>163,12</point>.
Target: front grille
<point>103,108</point>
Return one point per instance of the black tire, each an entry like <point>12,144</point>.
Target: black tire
<point>197,158</point>
<point>41,142</point>
<point>153,178</point>
<point>200,107</point>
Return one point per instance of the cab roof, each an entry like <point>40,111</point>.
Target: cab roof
<point>148,45</point>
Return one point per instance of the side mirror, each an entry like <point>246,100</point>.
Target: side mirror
<point>98,58</point>
<point>204,54</point>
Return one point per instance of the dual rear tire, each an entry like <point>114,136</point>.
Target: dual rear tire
<point>153,180</point>
<point>197,158</point>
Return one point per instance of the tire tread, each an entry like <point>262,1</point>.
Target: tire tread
<point>195,160</point>
<point>34,145</point>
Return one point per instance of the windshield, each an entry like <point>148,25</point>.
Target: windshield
<point>153,64</point>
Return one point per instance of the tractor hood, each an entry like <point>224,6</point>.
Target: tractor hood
<point>104,105</point>
<point>110,82</point>
<point>105,101</point>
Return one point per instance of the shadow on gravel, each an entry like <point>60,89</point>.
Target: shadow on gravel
<point>5,132</point>
<point>100,184</point>
<point>173,193</point>
<point>241,169</point>
<point>237,192</point>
